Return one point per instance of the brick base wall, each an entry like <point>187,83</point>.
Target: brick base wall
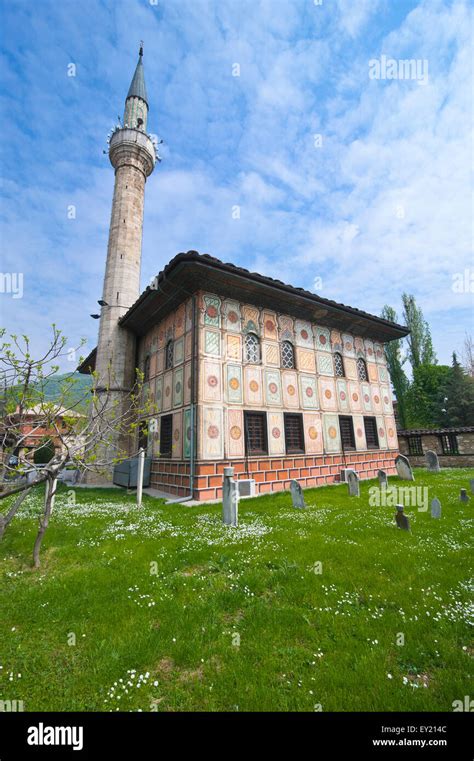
<point>445,460</point>
<point>271,474</point>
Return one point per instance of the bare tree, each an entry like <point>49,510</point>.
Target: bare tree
<point>87,441</point>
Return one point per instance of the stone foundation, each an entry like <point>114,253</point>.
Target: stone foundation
<point>271,474</point>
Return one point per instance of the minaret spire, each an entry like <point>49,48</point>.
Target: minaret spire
<point>136,103</point>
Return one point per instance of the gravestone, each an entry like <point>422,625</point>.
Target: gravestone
<point>464,496</point>
<point>432,461</point>
<point>404,468</point>
<point>230,499</point>
<point>297,495</point>
<point>382,476</point>
<point>471,483</point>
<point>435,508</point>
<point>401,519</point>
<point>353,483</point>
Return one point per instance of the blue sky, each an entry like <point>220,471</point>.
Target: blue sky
<point>382,205</point>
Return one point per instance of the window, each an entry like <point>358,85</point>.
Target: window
<point>294,438</point>
<point>449,443</point>
<point>362,370</point>
<point>346,427</point>
<point>287,355</point>
<point>146,369</point>
<point>255,433</point>
<point>169,353</point>
<point>339,365</point>
<point>371,435</point>
<point>166,435</point>
<point>414,445</point>
<point>252,348</point>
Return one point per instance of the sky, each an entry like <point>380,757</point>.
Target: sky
<point>290,147</point>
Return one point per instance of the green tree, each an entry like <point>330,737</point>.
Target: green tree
<point>395,362</point>
<point>420,345</point>
<point>422,398</point>
<point>456,398</point>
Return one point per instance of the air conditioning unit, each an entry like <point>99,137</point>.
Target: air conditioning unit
<point>246,487</point>
<point>343,474</point>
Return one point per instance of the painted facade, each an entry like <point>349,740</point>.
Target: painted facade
<point>228,384</point>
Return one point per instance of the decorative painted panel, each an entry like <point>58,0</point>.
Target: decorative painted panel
<point>350,368</point>
<point>273,387</point>
<point>327,391</point>
<point>188,345</point>
<point>354,396</point>
<point>179,319</point>
<point>160,361</point>
<point>372,372</point>
<point>211,381</point>
<point>286,328</point>
<point>159,393</point>
<point>153,360</point>
<point>359,347</point>
<point>187,383</point>
<point>332,439</point>
<point>313,432</point>
<point>309,392</point>
<point>187,434</point>
<point>342,395</point>
<point>234,347</point>
<point>178,353</point>
<point>270,326</point>
<point>290,390</point>
<point>232,317</point>
<point>211,439</point>
<point>322,338</point>
<point>325,366</point>
<point>177,446</point>
<point>235,442</point>
<point>379,353</point>
<point>178,387</point>
<point>271,354</point>
<point>348,345</point>
<point>359,432</point>
<point>391,431</point>
<point>253,385</point>
<point>383,374</point>
<point>251,321</point>
<point>212,310</point>
<point>167,390</point>
<point>212,342</point>
<point>369,350</point>
<point>161,336</point>
<point>366,397</point>
<point>234,384</point>
<point>304,334</point>
<point>376,400</point>
<point>381,432</point>
<point>386,400</point>
<point>305,360</point>
<point>336,341</point>
<point>276,433</point>
<point>189,314</point>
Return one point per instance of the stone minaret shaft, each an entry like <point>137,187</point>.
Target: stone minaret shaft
<point>132,155</point>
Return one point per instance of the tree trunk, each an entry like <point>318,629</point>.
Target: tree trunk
<point>51,485</point>
<point>5,519</point>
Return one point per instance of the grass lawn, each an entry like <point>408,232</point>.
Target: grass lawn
<point>166,609</point>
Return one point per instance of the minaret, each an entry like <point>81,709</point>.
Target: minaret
<point>132,154</point>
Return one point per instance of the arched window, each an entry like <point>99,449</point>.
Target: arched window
<point>252,348</point>
<point>362,369</point>
<point>169,352</point>
<point>339,365</point>
<point>146,369</point>
<point>287,355</point>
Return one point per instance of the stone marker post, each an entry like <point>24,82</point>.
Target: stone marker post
<point>141,468</point>
<point>230,499</point>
